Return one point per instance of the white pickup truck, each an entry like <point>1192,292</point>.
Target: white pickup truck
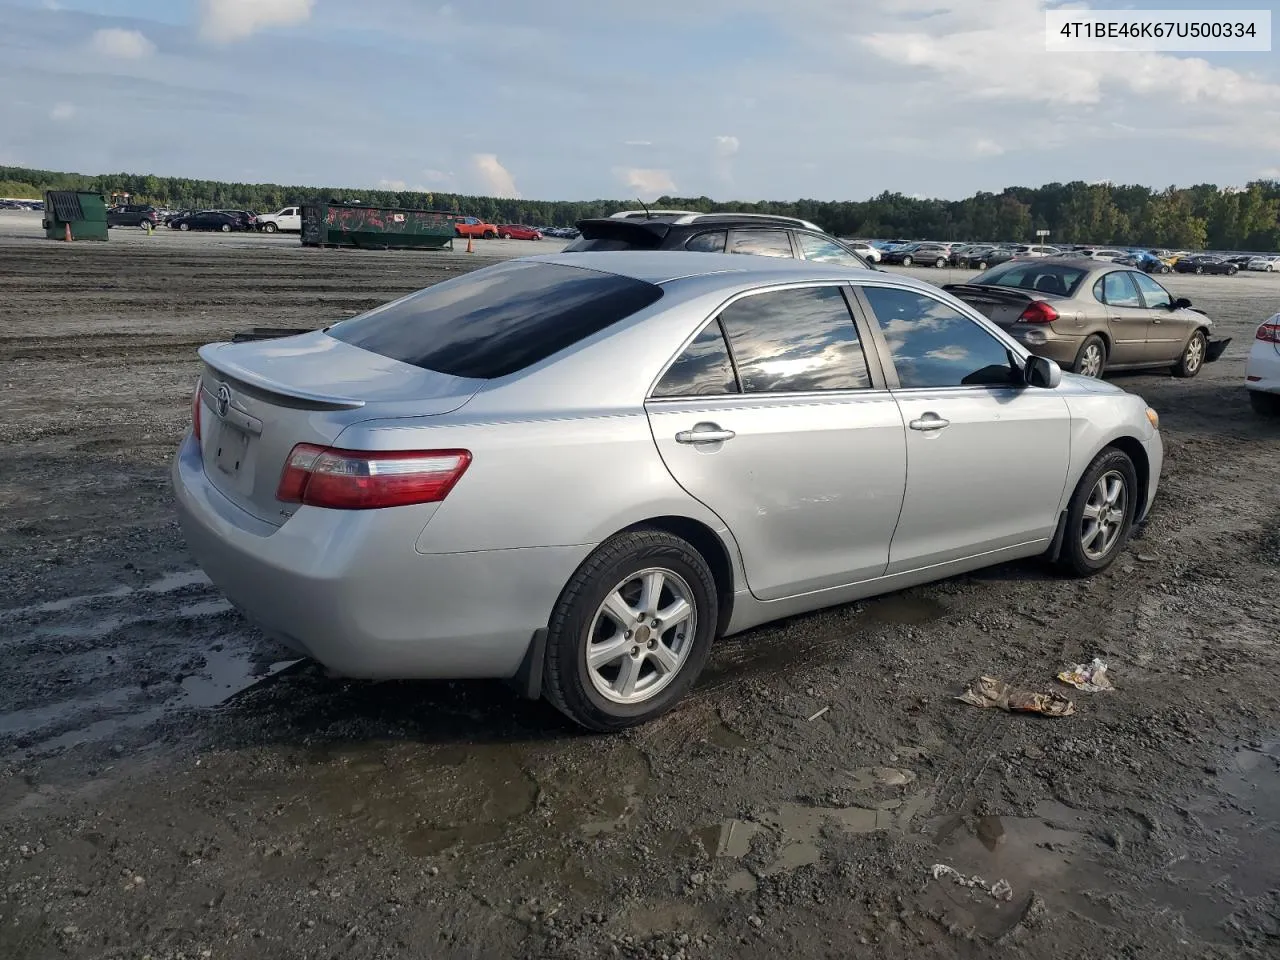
<point>290,218</point>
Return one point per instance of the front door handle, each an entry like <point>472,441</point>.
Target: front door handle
<point>705,433</point>
<point>930,421</point>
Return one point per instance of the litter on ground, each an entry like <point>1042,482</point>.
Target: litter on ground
<point>990,692</point>
<point>1089,677</point>
<point>1000,890</point>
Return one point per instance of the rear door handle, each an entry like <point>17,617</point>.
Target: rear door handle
<point>705,433</point>
<point>930,421</point>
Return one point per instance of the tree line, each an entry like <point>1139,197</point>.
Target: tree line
<point>1198,217</point>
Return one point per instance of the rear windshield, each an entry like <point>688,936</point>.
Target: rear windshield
<point>498,320</point>
<point>1035,275</point>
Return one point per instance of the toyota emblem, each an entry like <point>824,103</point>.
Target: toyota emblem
<point>222,402</point>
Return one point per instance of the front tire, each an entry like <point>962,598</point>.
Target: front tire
<point>982,265</point>
<point>906,261</point>
<point>939,263</point>
<point>226,228</point>
<point>489,235</point>
<point>1266,404</point>
<point>1091,358</point>
<point>1199,269</point>
<point>1100,514</point>
<point>184,227</point>
<point>1165,269</point>
<point>1192,359</point>
<point>631,631</point>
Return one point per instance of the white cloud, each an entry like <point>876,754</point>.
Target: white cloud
<point>987,148</point>
<point>637,143</point>
<point>1271,173</point>
<point>650,184</point>
<point>62,111</point>
<point>223,21</point>
<point>726,148</point>
<point>121,44</point>
<point>497,180</point>
<point>436,176</point>
<point>397,185</point>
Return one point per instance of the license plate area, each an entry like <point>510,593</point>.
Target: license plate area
<point>231,449</point>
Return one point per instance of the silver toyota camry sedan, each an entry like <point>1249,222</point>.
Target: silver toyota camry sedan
<point>578,471</point>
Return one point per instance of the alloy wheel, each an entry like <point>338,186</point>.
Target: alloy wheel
<point>1195,354</point>
<point>1091,361</point>
<point>641,636</point>
<point>1104,515</point>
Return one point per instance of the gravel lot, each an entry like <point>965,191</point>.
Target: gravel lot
<point>171,787</point>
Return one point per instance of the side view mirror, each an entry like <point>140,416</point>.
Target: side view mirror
<point>1041,372</point>
<point>1182,303</point>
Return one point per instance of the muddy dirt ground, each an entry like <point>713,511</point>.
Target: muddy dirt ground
<point>171,785</point>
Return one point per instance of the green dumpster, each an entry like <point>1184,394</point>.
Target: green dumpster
<point>84,213</point>
<point>335,224</point>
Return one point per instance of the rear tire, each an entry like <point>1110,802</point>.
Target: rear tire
<point>489,235</point>
<point>1266,404</point>
<point>1165,268</point>
<point>270,228</point>
<point>982,265</point>
<point>1100,514</point>
<point>1199,269</point>
<point>1192,359</point>
<point>504,236</point>
<point>1091,358</point>
<point>595,697</point>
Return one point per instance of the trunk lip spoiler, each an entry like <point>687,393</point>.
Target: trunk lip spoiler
<point>220,365</point>
<point>997,292</point>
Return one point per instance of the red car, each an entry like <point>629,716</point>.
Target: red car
<point>518,231</point>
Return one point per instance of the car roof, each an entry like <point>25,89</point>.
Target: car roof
<point>664,266</point>
<point>689,217</point>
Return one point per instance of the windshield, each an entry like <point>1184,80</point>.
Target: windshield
<point>1054,278</point>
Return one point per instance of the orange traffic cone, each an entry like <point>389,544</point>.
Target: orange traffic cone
<point>67,236</point>
<point>470,248</point>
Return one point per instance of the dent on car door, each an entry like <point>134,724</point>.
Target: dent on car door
<point>987,456</point>
<point>777,420</point>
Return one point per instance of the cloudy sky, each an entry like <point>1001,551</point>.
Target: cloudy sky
<point>574,99</point>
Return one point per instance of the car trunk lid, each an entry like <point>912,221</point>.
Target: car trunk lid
<point>1000,305</point>
<point>260,399</point>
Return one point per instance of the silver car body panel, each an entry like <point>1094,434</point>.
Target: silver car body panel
<point>818,499</point>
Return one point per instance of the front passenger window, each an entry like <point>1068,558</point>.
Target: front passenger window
<point>934,345</point>
<point>1153,294</point>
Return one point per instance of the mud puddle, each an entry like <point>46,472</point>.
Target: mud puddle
<point>224,675</point>
<point>460,802</point>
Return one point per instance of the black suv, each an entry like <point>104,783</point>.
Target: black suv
<point>132,215</point>
<point>757,233</point>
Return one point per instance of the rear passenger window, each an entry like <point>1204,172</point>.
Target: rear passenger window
<point>1116,290</point>
<point>934,345</point>
<point>704,369</point>
<point>794,341</point>
<point>707,242</point>
<point>762,243</point>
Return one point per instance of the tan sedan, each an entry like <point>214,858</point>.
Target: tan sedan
<point>1092,316</point>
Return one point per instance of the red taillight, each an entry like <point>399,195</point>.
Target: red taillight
<point>364,479</point>
<point>1038,312</point>
<point>195,412</point>
<point>1269,333</point>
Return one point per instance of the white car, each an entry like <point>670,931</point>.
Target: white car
<point>1266,264</point>
<point>290,219</point>
<point>865,250</point>
<point>1262,374</point>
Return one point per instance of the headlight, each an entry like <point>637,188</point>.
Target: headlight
<point>1154,418</point>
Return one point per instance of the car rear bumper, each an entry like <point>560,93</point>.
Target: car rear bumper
<point>349,589</point>
<point>1262,372</point>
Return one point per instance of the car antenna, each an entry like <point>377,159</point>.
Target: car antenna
<point>647,214</point>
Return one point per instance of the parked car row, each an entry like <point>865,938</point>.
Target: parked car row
<point>10,204</point>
